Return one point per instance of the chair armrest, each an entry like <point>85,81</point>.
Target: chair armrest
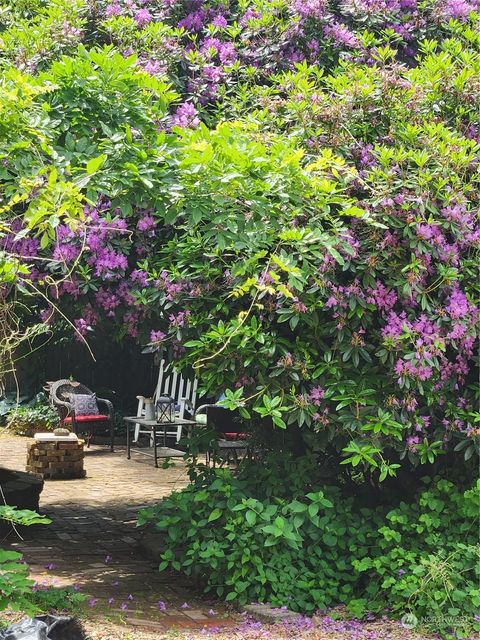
<point>203,408</point>
<point>188,403</point>
<point>108,404</point>
<point>67,405</point>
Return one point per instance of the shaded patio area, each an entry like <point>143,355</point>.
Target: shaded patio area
<point>93,541</point>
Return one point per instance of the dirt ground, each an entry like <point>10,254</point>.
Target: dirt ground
<point>321,628</point>
<point>101,630</point>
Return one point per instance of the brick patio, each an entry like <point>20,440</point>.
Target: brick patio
<point>94,519</point>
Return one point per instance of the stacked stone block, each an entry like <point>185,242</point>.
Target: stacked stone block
<point>56,459</point>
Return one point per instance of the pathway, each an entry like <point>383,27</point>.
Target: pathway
<point>93,541</point>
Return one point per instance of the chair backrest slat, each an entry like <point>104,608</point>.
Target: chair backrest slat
<point>181,384</point>
<point>170,382</point>
<point>172,386</point>
<point>158,389</point>
<point>194,391</point>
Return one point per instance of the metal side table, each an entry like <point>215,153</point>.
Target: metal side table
<point>159,430</point>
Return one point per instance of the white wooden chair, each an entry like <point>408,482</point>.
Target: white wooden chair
<point>183,391</point>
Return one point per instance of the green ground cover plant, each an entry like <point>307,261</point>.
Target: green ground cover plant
<point>28,420</point>
<point>315,550</point>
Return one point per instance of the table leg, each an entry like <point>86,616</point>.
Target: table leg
<point>164,435</point>
<point>155,445</point>
<point>128,441</point>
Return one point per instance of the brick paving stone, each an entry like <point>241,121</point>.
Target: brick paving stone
<point>93,518</point>
<point>147,624</point>
<point>268,614</point>
<point>220,623</point>
<point>195,615</point>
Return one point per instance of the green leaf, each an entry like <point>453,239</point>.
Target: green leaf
<point>333,252</point>
<point>216,513</point>
<point>313,510</point>
<point>94,164</point>
<point>329,539</point>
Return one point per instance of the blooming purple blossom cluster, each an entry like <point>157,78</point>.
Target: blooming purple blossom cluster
<point>305,30</point>
<point>186,116</point>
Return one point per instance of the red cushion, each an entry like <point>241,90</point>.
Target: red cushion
<point>89,418</point>
<point>234,436</point>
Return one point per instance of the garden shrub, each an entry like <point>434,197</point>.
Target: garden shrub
<point>317,550</point>
<point>28,420</point>
<point>314,259</point>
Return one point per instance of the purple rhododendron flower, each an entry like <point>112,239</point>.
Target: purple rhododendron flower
<point>219,21</point>
<point>193,21</point>
<point>113,10</point>
<point>157,336</point>
<point>186,116</point>
<point>458,305</point>
<point>310,8</point>
<point>139,277</point>
<point>459,8</point>
<point>152,67</point>
<point>316,395</point>
<point>146,223</point>
<point>142,17</point>
<point>340,35</point>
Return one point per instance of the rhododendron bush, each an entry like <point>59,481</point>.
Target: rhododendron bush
<point>281,196</point>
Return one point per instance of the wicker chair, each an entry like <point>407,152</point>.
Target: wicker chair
<point>60,394</point>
